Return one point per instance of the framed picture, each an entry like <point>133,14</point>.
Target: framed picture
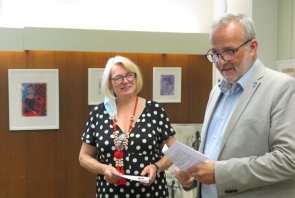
<point>94,86</point>
<point>287,67</point>
<point>167,84</point>
<point>33,99</point>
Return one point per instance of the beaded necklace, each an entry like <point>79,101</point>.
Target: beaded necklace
<point>121,143</point>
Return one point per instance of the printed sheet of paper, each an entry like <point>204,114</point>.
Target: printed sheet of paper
<point>135,178</point>
<point>183,156</point>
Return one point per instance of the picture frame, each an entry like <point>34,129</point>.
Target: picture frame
<point>167,84</point>
<point>94,86</point>
<point>287,67</point>
<point>33,99</point>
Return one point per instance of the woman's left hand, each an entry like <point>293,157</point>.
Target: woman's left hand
<point>151,172</point>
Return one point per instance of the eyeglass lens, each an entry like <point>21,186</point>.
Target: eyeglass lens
<point>226,55</point>
<point>120,78</point>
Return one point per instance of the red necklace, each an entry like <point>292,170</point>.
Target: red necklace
<point>122,143</point>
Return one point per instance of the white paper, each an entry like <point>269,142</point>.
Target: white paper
<point>165,147</point>
<point>137,178</point>
<point>134,178</point>
<point>183,156</point>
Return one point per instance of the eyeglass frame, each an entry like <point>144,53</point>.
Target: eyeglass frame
<point>121,78</point>
<point>220,55</point>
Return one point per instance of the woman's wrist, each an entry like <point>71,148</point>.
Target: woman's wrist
<point>157,167</point>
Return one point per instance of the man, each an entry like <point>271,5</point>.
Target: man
<point>249,125</point>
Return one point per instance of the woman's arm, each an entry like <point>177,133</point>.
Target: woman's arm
<point>164,163</point>
<point>87,159</point>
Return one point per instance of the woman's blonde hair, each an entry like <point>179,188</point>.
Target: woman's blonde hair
<point>128,65</point>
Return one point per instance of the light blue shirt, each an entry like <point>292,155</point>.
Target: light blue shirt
<point>221,116</point>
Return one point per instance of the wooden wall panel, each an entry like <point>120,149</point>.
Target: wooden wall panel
<point>40,145</point>
<point>177,112</point>
<point>200,84</point>
<point>45,163</point>
<point>73,102</point>
<point>146,62</point>
<point>12,145</point>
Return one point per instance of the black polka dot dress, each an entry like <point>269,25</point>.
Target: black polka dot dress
<point>150,130</point>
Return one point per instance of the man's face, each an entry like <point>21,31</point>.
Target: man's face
<point>230,39</point>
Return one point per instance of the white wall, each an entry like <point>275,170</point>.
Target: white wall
<point>187,35</point>
<point>57,39</point>
<point>286,30</point>
<point>114,41</point>
<point>192,16</point>
<point>240,6</point>
<point>265,16</point>
<point>166,26</point>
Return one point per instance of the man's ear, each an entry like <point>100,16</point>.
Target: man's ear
<point>254,44</point>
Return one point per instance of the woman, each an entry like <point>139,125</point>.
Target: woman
<point>30,102</point>
<point>125,135</point>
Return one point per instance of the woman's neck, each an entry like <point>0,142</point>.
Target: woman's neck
<point>126,101</point>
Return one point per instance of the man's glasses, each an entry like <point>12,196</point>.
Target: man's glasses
<point>120,79</point>
<point>227,54</point>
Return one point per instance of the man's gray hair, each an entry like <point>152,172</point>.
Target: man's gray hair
<point>246,23</point>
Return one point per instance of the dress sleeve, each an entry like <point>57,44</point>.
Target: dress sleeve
<point>163,127</point>
<point>89,132</point>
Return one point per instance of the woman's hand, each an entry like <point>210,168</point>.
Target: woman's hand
<point>151,172</point>
<point>87,160</point>
<point>111,174</point>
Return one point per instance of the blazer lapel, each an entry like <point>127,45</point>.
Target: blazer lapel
<point>246,96</point>
<point>212,103</point>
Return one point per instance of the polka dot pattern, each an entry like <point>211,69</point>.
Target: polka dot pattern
<point>150,130</point>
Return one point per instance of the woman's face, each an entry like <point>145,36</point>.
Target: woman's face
<point>30,90</point>
<point>123,82</point>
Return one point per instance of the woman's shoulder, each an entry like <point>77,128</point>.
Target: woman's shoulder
<point>153,104</point>
<point>99,108</point>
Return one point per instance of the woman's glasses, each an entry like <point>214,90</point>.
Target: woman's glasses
<point>120,78</point>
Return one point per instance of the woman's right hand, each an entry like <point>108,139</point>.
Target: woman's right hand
<point>87,159</point>
<point>111,174</point>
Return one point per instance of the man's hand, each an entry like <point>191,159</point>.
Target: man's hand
<point>184,178</point>
<point>204,172</point>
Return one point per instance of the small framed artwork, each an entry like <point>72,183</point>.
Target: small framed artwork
<point>287,67</point>
<point>94,86</point>
<point>33,99</point>
<point>167,84</point>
